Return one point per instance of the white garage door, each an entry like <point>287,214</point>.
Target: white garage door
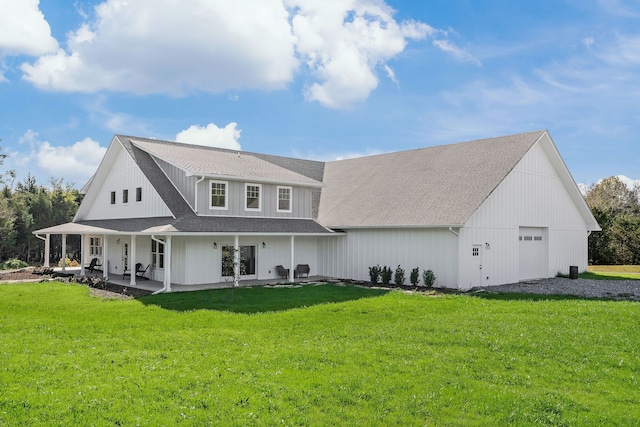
<point>533,253</point>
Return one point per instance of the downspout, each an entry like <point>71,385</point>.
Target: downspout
<point>164,282</point>
<point>195,207</point>
<point>454,232</point>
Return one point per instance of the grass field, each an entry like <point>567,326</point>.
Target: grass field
<point>323,355</point>
<point>612,272</point>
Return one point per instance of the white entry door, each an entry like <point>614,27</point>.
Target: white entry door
<point>533,253</point>
<point>476,266</point>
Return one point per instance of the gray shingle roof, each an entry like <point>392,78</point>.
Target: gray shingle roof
<point>191,224</point>
<point>200,160</point>
<point>436,186</point>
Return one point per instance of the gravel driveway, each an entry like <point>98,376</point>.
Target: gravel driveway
<point>614,289</point>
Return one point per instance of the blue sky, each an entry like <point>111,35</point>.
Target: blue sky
<point>319,79</point>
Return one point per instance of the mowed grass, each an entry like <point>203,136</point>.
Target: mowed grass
<point>612,272</point>
<point>373,358</point>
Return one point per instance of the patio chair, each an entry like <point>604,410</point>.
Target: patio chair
<point>139,271</point>
<point>302,270</point>
<point>282,272</point>
<point>94,266</point>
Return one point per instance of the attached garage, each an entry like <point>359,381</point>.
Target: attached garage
<point>533,253</point>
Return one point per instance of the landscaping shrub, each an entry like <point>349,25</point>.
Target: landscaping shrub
<point>386,275</point>
<point>428,278</point>
<point>13,264</point>
<point>399,276</point>
<point>414,278</point>
<point>69,263</point>
<point>374,273</point>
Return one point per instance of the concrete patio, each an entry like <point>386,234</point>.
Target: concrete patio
<point>153,285</point>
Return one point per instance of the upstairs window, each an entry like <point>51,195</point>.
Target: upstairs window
<point>139,194</point>
<point>125,196</point>
<point>113,197</point>
<point>252,197</point>
<point>218,192</point>
<point>284,199</point>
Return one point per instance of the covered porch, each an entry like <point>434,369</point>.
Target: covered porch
<point>175,261</point>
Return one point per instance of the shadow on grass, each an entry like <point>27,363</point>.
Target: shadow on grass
<point>259,299</point>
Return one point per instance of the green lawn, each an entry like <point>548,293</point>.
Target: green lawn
<point>612,272</point>
<point>324,355</point>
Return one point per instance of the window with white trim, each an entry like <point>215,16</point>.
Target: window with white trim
<point>252,197</point>
<point>125,196</point>
<point>157,254</point>
<point>218,192</point>
<point>138,194</point>
<point>95,246</point>
<point>113,197</point>
<point>284,199</point>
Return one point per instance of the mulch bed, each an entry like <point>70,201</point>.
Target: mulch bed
<point>99,287</point>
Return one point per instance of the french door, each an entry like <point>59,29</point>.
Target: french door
<point>248,262</point>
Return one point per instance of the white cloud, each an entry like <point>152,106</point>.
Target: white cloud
<point>73,163</point>
<point>343,42</point>
<point>160,46</point>
<point>212,136</point>
<point>588,41</point>
<point>461,54</point>
<point>24,30</point>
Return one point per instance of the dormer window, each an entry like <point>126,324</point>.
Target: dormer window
<point>252,197</point>
<point>218,193</point>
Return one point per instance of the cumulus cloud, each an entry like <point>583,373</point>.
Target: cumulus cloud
<point>24,30</point>
<point>160,46</point>
<point>75,162</point>
<point>344,42</point>
<point>212,136</point>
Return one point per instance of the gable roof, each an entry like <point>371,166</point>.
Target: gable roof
<point>221,163</point>
<point>435,186</point>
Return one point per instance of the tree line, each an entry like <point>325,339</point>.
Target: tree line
<point>27,206</point>
<point>617,209</point>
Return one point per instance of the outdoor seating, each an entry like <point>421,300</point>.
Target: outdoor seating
<point>140,272</point>
<point>302,270</point>
<point>94,266</point>
<point>282,272</point>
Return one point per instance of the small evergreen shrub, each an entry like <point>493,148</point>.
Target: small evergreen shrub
<point>386,275</point>
<point>399,276</point>
<point>428,278</point>
<point>414,277</point>
<point>374,273</point>
<point>13,264</point>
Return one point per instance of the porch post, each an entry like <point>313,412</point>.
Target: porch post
<point>47,249</point>
<point>132,261</point>
<point>167,264</point>
<point>82,246</point>
<point>105,257</point>
<point>236,260</point>
<point>63,261</point>
<point>293,260</point>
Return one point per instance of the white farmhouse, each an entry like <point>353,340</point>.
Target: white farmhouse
<point>477,213</point>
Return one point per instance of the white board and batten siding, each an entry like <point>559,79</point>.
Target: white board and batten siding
<point>350,256</point>
<point>196,260</point>
<point>531,202</point>
<point>125,174</point>
<point>301,204</point>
